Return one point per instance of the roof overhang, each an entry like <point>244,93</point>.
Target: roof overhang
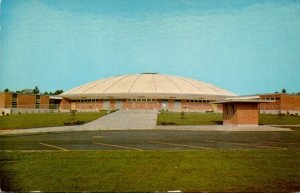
<point>242,101</point>
<point>142,95</point>
<point>55,97</point>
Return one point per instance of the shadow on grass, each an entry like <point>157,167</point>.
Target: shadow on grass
<point>218,122</point>
<point>6,179</point>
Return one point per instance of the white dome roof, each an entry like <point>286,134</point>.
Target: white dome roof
<point>146,84</point>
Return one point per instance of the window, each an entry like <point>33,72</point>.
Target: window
<point>229,109</point>
<point>37,101</point>
<point>14,103</point>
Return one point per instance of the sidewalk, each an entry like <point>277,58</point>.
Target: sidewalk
<point>222,128</point>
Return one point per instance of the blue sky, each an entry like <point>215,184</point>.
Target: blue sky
<point>244,46</point>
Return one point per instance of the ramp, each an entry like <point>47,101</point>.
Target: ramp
<point>125,119</point>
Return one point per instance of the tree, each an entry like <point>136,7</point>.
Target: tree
<point>36,90</point>
<point>283,90</point>
<point>6,90</point>
<point>46,93</point>
<point>57,92</point>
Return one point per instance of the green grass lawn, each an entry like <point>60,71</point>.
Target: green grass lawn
<point>208,170</point>
<point>268,119</point>
<point>33,120</point>
<point>193,118</point>
<point>176,118</point>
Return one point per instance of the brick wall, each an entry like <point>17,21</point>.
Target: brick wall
<point>150,105</point>
<point>2,100</point>
<point>170,104</point>
<point>196,106</point>
<point>284,102</point>
<point>244,113</point>
<point>112,104</point>
<point>26,101</point>
<point>95,105</point>
<point>272,105</point>
<point>5,100</point>
<point>65,104</point>
<point>44,102</point>
<point>290,102</point>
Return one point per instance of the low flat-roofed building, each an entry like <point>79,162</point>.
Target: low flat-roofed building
<point>241,111</point>
<point>12,103</point>
<point>283,103</point>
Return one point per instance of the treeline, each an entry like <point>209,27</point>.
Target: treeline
<point>35,90</point>
<point>285,92</point>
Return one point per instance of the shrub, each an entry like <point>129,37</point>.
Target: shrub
<point>182,114</point>
<point>79,122</point>
<point>279,114</point>
<point>72,112</point>
<point>67,123</point>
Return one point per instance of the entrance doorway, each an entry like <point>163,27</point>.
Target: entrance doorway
<point>164,104</point>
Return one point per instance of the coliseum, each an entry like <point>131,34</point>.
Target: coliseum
<point>151,91</point>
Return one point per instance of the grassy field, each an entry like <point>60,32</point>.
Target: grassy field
<point>176,118</point>
<point>206,170</point>
<point>236,161</point>
<point>34,120</point>
<point>268,119</point>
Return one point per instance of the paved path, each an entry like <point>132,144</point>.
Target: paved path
<point>125,119</point>
<point>39,130</point>
<point>222,128</point>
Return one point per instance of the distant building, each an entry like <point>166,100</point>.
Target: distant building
<point>12,103</point>
<point>27,91</point>
<point>283,103</point>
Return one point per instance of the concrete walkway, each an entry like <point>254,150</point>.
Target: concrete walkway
<point>125,119</point>
<point>39,130</point>
<point>221,128</point>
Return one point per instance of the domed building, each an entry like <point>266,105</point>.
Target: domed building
<point>144,91</point>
